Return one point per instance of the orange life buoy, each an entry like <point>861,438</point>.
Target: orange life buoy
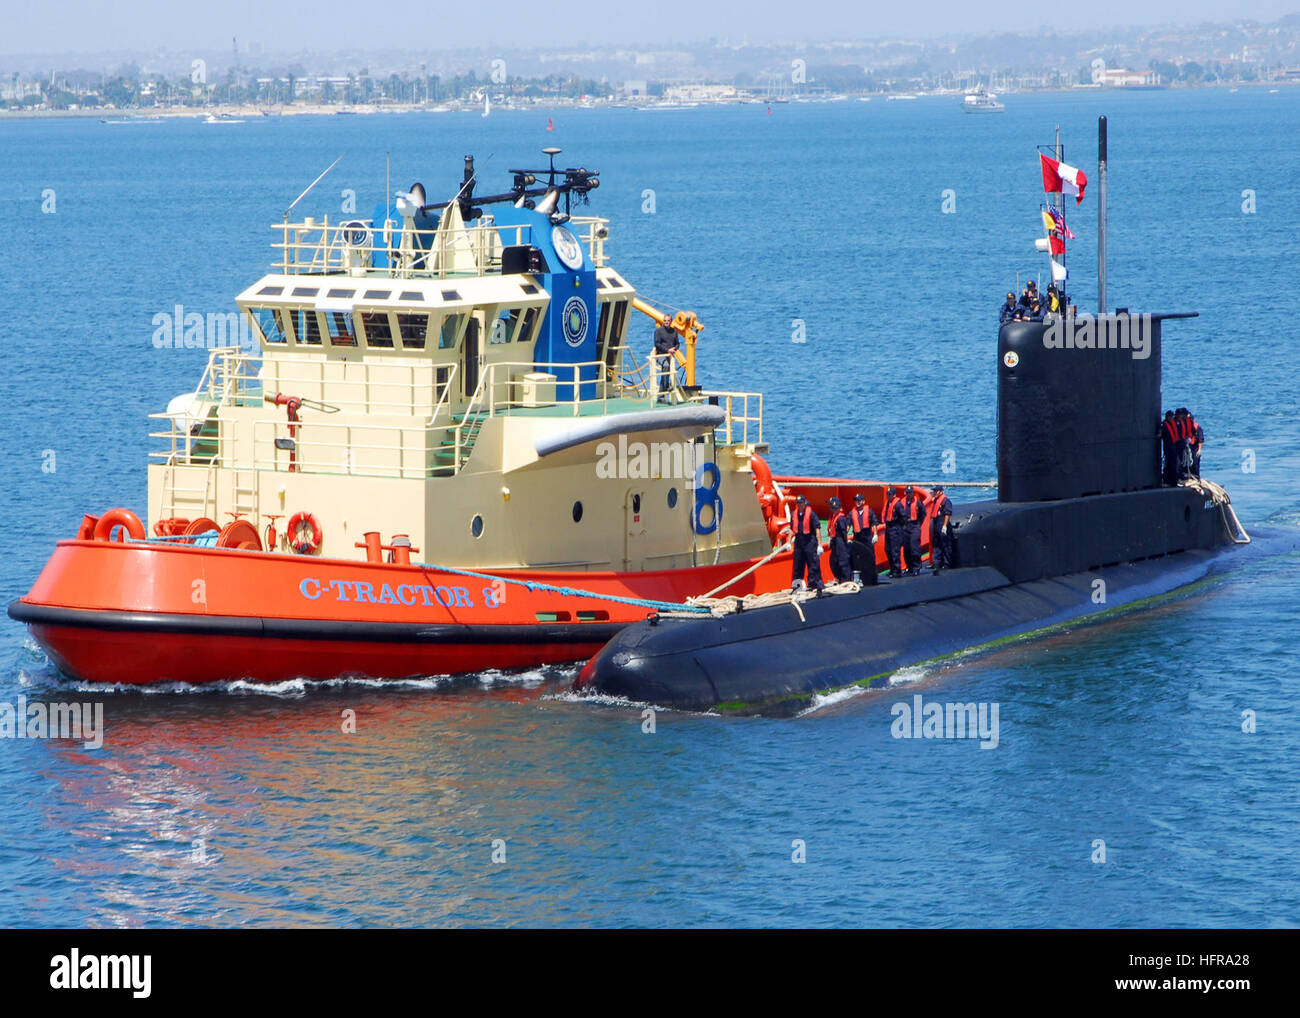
<point>304,533</point>
<point>240,534</point>
<point>115,518</point>
<point>770,499</point>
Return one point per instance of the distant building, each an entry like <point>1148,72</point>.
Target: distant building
<point>1117,77</point>
<point>633,89</point>
<point>700,93</point>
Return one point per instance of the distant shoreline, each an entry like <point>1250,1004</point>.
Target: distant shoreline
<point>202,113</point>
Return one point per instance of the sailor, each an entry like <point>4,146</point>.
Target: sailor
<point>913,515</point>
<point>863,521</point>
<point>807,544</point>
<point>1028,295</point>
<point>1008,310</point>
<point>667,344</point>
<point>1036,312</point>
<point>938,514</point>
<point>1198,442</point>
<point>1184,432</point>
<point>1168,441</point>
<point>838,532</point>
<point>894,518</point>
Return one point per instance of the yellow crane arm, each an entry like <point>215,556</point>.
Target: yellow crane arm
<point>685,324</point>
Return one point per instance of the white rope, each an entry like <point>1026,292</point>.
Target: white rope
<point>719,607</point>
<point>740,576</point>
<point>1236,532</point>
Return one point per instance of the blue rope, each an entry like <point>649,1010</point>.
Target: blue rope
<point>207,535</point>
<point>569,591</point>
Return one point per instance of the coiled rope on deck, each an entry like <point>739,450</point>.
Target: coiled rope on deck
<point>720,607</point>
<point>1236,532</point>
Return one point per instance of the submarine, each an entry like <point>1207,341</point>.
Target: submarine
<point>1083,525</point>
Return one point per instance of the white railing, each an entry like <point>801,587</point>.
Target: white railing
<point>744,423</point>
<point>324,447</point>
<point>351,247</point>
<point>234,377</point>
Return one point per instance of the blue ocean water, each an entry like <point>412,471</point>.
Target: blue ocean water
<point>245,807</point>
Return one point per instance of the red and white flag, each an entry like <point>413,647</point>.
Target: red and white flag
<point>1062,178</point>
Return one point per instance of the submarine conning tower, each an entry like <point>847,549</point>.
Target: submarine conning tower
<point>1079,402</point>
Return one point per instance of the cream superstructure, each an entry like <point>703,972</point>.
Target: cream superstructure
<point>422,409</point>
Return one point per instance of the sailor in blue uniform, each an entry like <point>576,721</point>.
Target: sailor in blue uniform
<point>838,532</point>
<point>1008,310</point>
<point>913,515</point>
<point>1184,432</point>
<point>1198,442</point>
<point>1168,442</point>
<point>807,544</point>
<point>895,517</point>
<point>938,513</point>
<point>862,522</point>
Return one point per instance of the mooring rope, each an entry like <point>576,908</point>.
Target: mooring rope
<point>1236,532</point>
<point>566,591</point>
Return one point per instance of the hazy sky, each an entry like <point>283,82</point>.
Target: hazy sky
<point>31,26</point>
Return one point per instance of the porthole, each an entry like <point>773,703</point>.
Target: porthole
<point>476,526</point>
<point>672,498</point>
<point>577,512</point>
<point>636,503</point>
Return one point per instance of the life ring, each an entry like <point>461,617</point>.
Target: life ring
<point>123,518</point>
<point>304,533</point>
<point>171,527</point>
<point>240,534</point>
<point>770,499</point>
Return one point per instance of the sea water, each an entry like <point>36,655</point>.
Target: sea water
<point>1144,772</point>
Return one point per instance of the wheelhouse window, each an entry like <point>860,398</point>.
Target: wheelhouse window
<point>530,321</point>
<point>379,330</point>
<point>504,327</point>
<point>270,324</point>
<point>619,320</point>
<point>342,330</point>
<point>306,327</point>
<point>450,331</point>
<point>414,330</point>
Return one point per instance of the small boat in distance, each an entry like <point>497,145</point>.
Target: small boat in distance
<point>224,118</point>
<point>901,97</point>
<point>981,101</point>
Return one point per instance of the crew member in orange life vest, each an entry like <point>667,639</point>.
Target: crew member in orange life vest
<point>894,520</point>
<point>807,544</point>
<point>837,531</point>
<point>914,516</point>
<point>937,514</point>
<point>862,551</point>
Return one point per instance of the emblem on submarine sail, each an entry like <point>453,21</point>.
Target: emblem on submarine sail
<point>575,321</point>
<point>567,248</point>
<point>1011,358</point>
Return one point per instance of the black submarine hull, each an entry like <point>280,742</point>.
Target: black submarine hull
<point>1082,525</point>
<point>1021,568</point>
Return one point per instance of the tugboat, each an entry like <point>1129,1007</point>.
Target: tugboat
<point>445,455</point>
